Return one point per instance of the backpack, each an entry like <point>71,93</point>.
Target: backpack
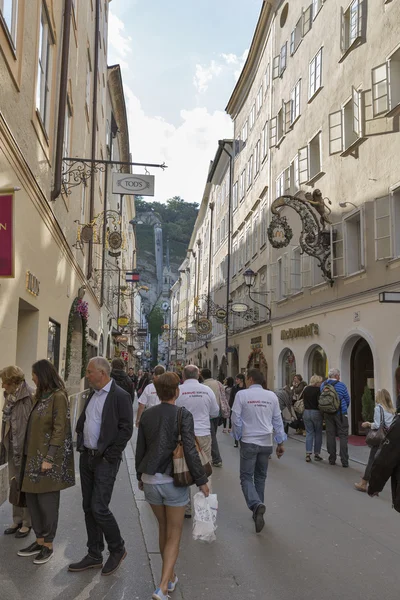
<point>329,401</point>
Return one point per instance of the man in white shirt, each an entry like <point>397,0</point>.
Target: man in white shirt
<point>255,416</point>
<point>149,396</point>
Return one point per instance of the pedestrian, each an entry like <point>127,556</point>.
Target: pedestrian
<point>337,424</point>
<point>255,415</point>
<point>383,406</point>
<point>397,378</point>
<point>149,397</point>
<point>139,379</point>
<point>199,400</point>
<point>157,440</point>
<point>16,410</point>
<point>240,384</point>
<point>224,411</point>
<point>133,377</point>
<point>104,429</point>
<point>298,388</point>
<point>121,378</point>
<point>289,416</point>
<point>48,461</point>
<point>386,465</point>
<point>143,383</point>
<point>312,418</point>
<point>228,389</point>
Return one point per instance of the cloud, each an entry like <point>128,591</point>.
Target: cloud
<point>120,44</point>
<point>226,63</point>
<point>204,75</point>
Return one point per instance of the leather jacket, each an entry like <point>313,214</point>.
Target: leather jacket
<point>387,464</point>
<point>157,440</point>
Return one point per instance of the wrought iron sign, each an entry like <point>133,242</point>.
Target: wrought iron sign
<point>315,236</point>
<point>92,232</point>
<point>220,312</point>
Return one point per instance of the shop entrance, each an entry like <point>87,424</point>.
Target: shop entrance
<point>27,337</point>
<point>257,361</point>
<point>288,367</point>
<point>362,378</point>
<point>317,363</point>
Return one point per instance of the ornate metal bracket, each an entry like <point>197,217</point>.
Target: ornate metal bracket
<point>220,312</point>
<point>315,236</point>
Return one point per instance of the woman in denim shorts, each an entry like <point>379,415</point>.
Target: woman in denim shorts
<point>157,440</point>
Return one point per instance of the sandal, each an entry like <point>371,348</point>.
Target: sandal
<point>308,457</point>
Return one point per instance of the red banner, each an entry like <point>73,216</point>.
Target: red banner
<point>7,235</point>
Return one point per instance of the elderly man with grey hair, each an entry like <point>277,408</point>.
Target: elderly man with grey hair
<point>104,429</point>
<point>337,424</point>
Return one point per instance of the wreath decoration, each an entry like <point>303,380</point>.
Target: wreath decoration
<point>279,224</point>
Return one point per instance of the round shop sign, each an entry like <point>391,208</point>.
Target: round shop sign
<point>239,307</point>
<point>221,314</point>
<point>204,326</point>
<point>279,232</point>
<point>115,240</point>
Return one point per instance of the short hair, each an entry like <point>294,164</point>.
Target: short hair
<point>315,379</point>
<point>159,370</point>
<point>131,369</point>
<point>166,386</point>
<point>206,373</point>
<point>101,364</point>
<point>12,374</point>
<point>117,363</point>
<point>256,376</point>
<point>332,373</point>
<point>298,376</point>
<point>191,372</point>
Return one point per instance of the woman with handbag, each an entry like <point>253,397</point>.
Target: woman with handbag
<point>297,390</point>
<point>313,418</point>
<point>162,430</point>
<point>16,410</point>
<point>48,463</point>
<point>383,416</point>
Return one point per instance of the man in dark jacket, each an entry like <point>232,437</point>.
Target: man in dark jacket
<point>240,384</point>
<point>132,376</point>
<point>387,464</point>
<point>121,378</point>
<point>104,429</point>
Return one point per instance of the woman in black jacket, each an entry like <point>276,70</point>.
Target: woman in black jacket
<point>157,440</point>
<point>387,465</point>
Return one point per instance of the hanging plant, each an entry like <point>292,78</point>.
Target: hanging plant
<point>81,308</point>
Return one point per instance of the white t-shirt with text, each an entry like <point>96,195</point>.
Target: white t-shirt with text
<point>149,396</point>
<point>201,402</point>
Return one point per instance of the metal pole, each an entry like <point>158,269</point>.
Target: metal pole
<point>229,250</point>
<point>103,262</point>
<point>119,293</point>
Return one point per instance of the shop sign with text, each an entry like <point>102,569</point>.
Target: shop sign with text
<point>130,184</point>
<point>7,235</point>
<point>300,332</point>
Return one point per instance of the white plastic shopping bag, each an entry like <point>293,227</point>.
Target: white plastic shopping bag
<point>205,517</point>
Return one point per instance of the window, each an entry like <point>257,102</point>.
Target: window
<point>337,250</point>
<point>296,36</point>
<point>263,226</point>
<point>335,132</point>
<point>295,270</point>
<point>244,132</point>
<point>317,275</point>
<point>264,141</point>
<point>223,229</point>
<point>248,244</point>
<point>88,82</point>
<point>354,243</point>
<point>346,125</point>
<point>316,7</point>
<point>315,156</point>
<point>218,237</point>
<point>283,183</point>
<point>257,152</point>
<point>260,98</point>
<point>303,165</point>
<point>287,115</point>
<point>234,257</point>
<point>252,118</point>
<point>242,184</point>
<point>351,25</point>
<point>282,276</point>
<point>255,235</point>
<point>307,20</point>
<point>235,195</point>
<point>9,12</point>
<point>315,74</point>
<point>44,69</point>
<point>250,172</point>
<point>53,343</point>
<point>283,59</point>
<point>241,253</point>
<point>279,186</point>
<point>273,131</point>
<point>387,225</point>
<point>280,124</point>
<point>305,270</point>
<point>294,175</point>
<point>275,67</point>
<point>386,86</point>
<point>295,103</point>
<point>267,77</point>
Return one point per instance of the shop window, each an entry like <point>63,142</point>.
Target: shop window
<point>43,90</point>
<point>317,363</point>
<point>53,343</point>
<point>9,16</point>
<point>386,86</point>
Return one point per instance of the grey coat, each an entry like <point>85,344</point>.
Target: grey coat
<point>17,424</point>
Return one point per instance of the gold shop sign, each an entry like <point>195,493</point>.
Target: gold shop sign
<point>32,284</point>
<point>300,332</point>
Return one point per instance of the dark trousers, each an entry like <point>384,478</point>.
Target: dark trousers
<point>97,482</point>
<point>44,509</point>
<point>337,425</point>
<point>216,457</point>
<point>368,469</point>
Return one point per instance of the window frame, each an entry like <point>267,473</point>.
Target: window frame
<point>295,98</point>
<point>11,29</point>
<point>315,83</point>
<point>44,69</point>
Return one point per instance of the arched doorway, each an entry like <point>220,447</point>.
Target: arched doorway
<point>215,367</point>
<point>257,360</point>
<point>287,367</point>
<point>223,370</point>
<point>362,376</point>
<point>317,363</point>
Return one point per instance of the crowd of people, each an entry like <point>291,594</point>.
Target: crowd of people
<point>175,410</point>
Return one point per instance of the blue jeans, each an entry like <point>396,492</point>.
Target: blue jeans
<point>313,424</point>
<point>253,472</point>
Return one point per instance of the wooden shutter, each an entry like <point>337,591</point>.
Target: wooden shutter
<point>335,132</point>
<point>288,113</point>
<point>357,125</point>
<point>337,250</point>
<point>275,67</point>
<point>307,20</point>
<point>380,89</point>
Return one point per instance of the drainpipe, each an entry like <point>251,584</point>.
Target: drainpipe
<point>94,130</point>
<point>56,191</point>
<point>228,286</point>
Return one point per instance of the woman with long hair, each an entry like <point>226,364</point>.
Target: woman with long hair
<point>157,440</point>
<point>384,401</point>
<point>313,419</point>
<point>48,464</point>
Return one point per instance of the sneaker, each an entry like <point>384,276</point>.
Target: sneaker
<point>318,457</point>
<point>86,563</point>
<point>217,464</point>
<point>236,445</point>
<point>172,584</point>
<point>114,562</point>
<point>158,595</point>
<point>259,517</point>
<point>31,550</point>
<point>44,556</point>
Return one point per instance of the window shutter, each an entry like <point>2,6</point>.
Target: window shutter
<point>307,20</point>
<point>335,132</point>
<point>275,67</point>
<point>286,278</point>
<point>383,228</point>
<point>305,271</point>
<point>359,5</point>
<point>286,181</point>
<point>303,165</point>
<point>273,276</point>
<point>337,250</point>
<point>288,113</point>
<point>357,128</point>
<point>292,41</point>
<point>272,132</point>
<point>283,59</point>
<point>380,90</point>
<point>343,43</point>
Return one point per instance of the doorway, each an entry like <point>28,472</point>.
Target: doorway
<point>362,377</point>
<point>317,363</point>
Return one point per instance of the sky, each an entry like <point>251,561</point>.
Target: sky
<point>180,60</point>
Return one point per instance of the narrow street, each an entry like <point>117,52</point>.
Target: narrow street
<point>322,540</point>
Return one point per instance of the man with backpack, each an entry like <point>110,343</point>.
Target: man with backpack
<point>334,402</point>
